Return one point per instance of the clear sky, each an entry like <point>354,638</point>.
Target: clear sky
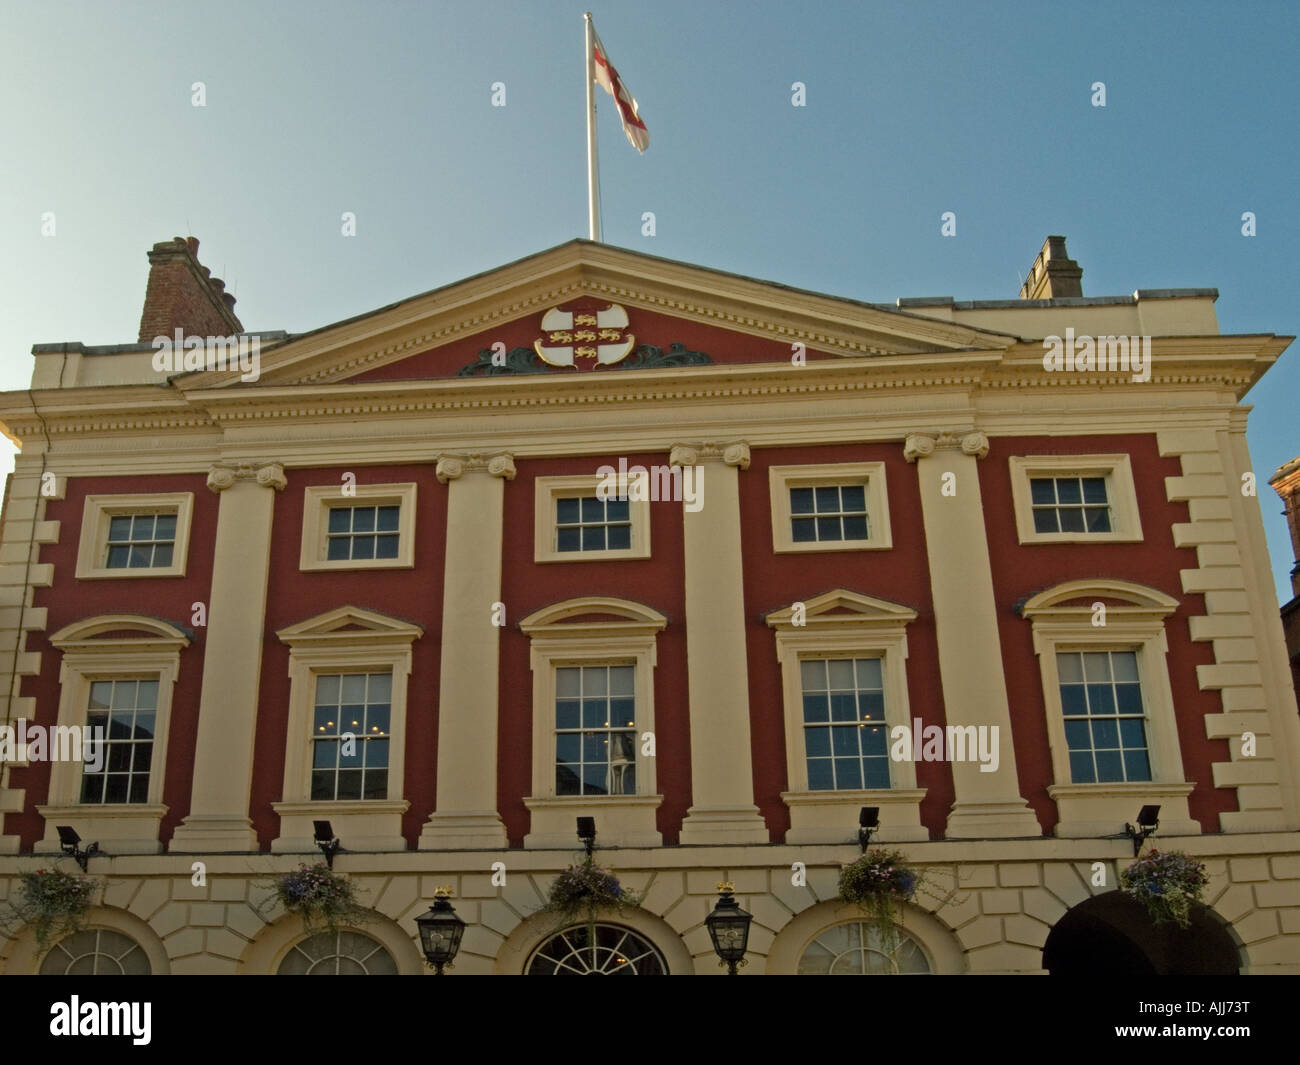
<point>913,109</point>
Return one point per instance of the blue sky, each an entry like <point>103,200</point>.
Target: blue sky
<point>384,109</point>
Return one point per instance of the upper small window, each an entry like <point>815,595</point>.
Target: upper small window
<point>585,523</point>
<point>141,541</point>
<point>363,533</point>
<point>835,507</point>
<point>1074,499</point>
<point>1070,504</point>
<point>829,512</point>
<point>363,526</point>
<point>135,536</point>
<point>575,520</point>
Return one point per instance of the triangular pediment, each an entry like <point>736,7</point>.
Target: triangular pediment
<point>350,624</point>
<point>655,313</point>
<point>840,607</point>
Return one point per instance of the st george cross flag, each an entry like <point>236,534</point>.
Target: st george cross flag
<point>607,78</point>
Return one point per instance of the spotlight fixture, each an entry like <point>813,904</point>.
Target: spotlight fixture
<point>70,842</point>
<point>326,841</point>
<point>1148,820</point>
<point>587,833</point>
<point>868,823</point>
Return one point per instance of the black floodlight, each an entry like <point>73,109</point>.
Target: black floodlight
<point>326,841</point>
<point>868,823</point>
<point>1148,820</point>
<point>587,833</point>
<point>441,929</point>
<point>70,842</point>
<point>728,927</point>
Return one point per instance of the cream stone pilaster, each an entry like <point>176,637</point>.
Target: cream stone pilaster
<point>987,805</point>
<point>24,531</point>
<point>232,660</point>
<point>722,782</point>
<point>466,815</point>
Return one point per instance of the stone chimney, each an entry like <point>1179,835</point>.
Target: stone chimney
<point>1054,274</point>
<point>1286,483</point>
<point>183,295</point>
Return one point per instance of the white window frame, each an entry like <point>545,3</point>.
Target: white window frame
<point>100,509</point>
<point>1121,496</point>
<point>89,656</point>
<point>346,640</point>
<point>546,490</point>
<point>1135,617</point>
<point>560,636</point>
<point>845,624</point>
<point>782,478</point>
<point>316,504</point>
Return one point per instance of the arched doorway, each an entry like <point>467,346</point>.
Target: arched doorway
<point>1111,934</point>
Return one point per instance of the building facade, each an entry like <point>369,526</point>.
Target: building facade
<point>713,561</point>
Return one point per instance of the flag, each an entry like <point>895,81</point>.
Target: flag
<point>607,78</point>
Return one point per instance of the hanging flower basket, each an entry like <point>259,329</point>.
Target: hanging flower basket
<point>323,898</point>
<point>1167,885</point>
<point>53,903</point>
<point>880,882</point>
<point>583,889</point>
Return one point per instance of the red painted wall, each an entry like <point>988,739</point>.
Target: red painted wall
<point>649,327</point>
<point>413,595</point>
<point>169,598</point>
<point>528,586</point>
<point>772,581</point>
<point>1021,571</point>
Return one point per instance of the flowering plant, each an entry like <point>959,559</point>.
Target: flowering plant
<point>321,897</point>
<point>1166,885</point>
<point>53,902</point>
<point>582,889</point>
<point>879,882</point>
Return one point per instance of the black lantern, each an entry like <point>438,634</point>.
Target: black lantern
<point>728,927</point>
<point>440,931</point>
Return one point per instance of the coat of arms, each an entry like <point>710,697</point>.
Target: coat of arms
<point>584,333</point>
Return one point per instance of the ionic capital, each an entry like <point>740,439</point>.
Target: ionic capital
<point>455,465</point>
<point>223,475</point>
<point>735,453</point>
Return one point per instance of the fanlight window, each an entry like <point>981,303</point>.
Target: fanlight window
<point>612,951</point>
<point>96,952</point>
<point>338,954</point>
<point>858,949</point>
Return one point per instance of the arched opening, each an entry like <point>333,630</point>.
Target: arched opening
<point>1112,934</point>
<point>612,951</point>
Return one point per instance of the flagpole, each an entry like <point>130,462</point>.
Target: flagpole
<point>593,205</point>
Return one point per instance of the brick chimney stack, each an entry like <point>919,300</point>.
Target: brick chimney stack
<point>1054,274</point>
<point>183,295</point>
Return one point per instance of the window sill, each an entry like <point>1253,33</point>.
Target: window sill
<point>621,820</point>
<point>119,828</point>
<point>359,824</point>
<point>1092,810</point>
<point>831,816</point>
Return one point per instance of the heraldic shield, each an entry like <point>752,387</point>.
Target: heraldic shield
<point>584,333</point>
